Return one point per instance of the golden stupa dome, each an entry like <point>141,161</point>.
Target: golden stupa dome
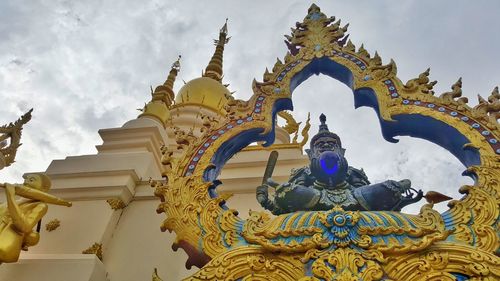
<point>204,91</point>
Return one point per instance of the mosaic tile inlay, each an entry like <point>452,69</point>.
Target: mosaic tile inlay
<point>494,142</point>
<point>287,69</point>
<point>359,63</point>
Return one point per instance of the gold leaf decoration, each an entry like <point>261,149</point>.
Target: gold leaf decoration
<point>95,249</point>
<point>116,203</point>
<point>52,225</point>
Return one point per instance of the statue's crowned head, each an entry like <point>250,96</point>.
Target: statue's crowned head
<point>328,164</point>
<point>324,140</point>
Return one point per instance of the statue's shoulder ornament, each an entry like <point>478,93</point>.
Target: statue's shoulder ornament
<point>301,173</point>
<point>357,177</point>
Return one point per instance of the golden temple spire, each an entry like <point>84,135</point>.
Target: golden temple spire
<point>163,96</point>
<point>214,68</point>
<point>165,92</point>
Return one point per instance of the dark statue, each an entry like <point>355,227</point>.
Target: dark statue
<point>329,181</point>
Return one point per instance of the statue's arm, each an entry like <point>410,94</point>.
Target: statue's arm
<point>289,196</point>
<point>262,195</point>
<point>386,196</point>
<point>22,222</point>
<point>294,196</point>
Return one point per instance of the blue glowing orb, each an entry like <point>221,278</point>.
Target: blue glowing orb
<point>329,162</point>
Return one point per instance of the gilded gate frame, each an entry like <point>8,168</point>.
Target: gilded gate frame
<point>459,244</point>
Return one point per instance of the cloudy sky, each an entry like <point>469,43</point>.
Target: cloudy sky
<point>86,65</point>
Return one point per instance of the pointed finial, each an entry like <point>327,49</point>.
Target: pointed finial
<point>214,68</point>
<point>323,127</point>
<point>313,8</point>
<point>322,118</point>
<point>162,96</point>
<point>165,92</point>
<point>177,64</point>
<point>224,27</point>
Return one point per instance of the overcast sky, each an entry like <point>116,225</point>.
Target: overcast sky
<point>86,65</point>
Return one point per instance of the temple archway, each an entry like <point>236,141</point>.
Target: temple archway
<point>209,230</point>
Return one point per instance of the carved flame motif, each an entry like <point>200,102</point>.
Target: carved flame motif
<point>10,139</point>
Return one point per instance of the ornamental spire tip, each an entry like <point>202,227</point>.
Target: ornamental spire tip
<point>214,68</point>
<point>177,64</point>
<point>323,127</point>
<point>224,27</point>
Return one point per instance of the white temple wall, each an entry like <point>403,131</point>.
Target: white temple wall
<point>138,246</point>
<point>132,242</point>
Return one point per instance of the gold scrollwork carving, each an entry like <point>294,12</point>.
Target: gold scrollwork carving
<point>344,264</point>
<point>250,263</point>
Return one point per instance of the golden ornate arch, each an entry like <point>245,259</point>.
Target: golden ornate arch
<point>459,244</point>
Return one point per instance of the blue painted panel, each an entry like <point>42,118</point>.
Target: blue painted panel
<point>323,66</point>
<point>406,125</point>
<point>228,149</point>
<point>436,131</point>
<point>460,277</point>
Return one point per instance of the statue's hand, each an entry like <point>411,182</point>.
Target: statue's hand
<point>262,193</point>
<point>272,183</point>
<point>409,199</point>
<point>408,192</point>
<point>409,195</point>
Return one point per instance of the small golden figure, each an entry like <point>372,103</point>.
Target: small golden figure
<point>18,218</point>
